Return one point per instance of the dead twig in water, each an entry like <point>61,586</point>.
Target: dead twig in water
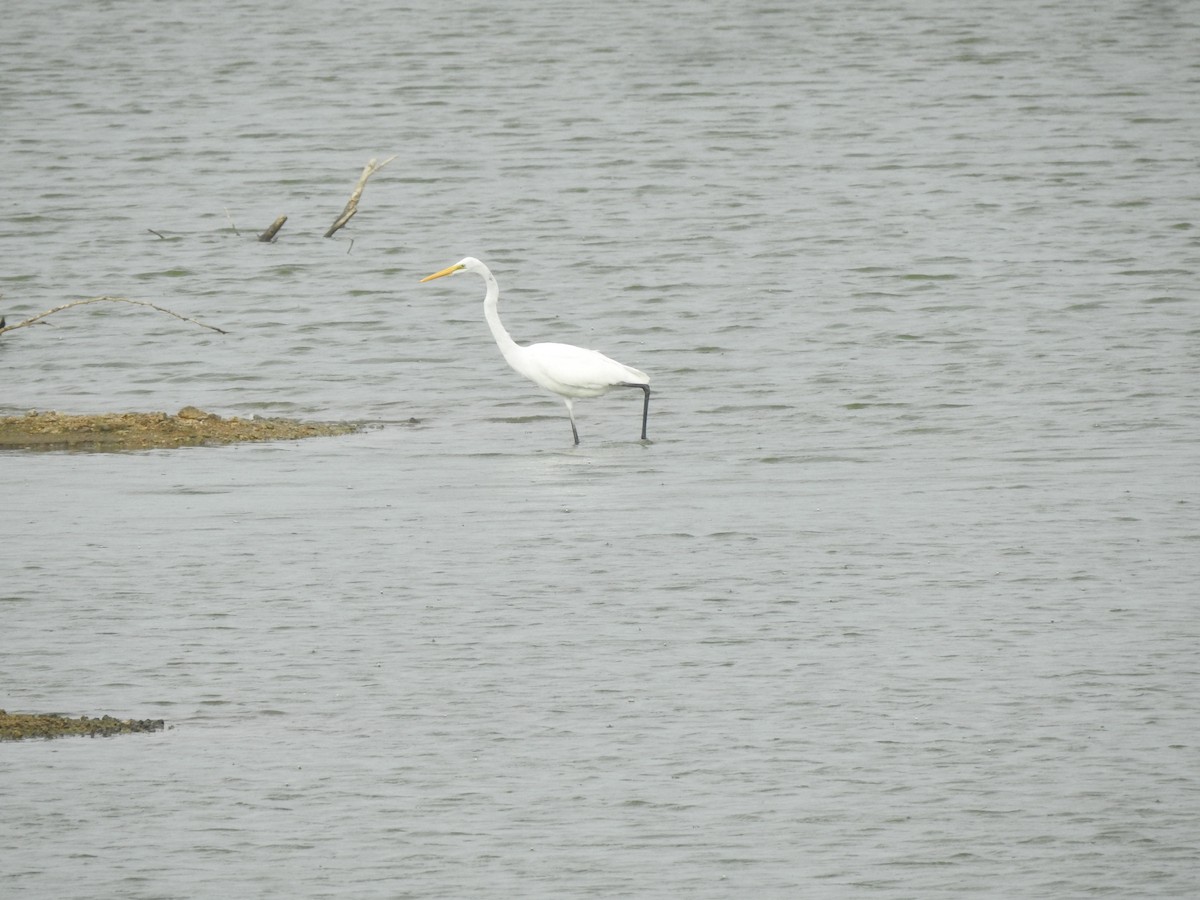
<point>269,235</point>
<point>35,319</point>
<point>352,205</point>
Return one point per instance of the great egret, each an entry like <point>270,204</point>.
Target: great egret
<point>568,371</point>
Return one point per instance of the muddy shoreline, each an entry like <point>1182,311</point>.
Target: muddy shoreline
<point>21,726</point>
<point>145,431</point>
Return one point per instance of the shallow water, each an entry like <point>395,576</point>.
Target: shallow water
<point>898,600</point>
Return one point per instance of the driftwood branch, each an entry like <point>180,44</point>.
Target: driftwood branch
<point>352,205</point>
<point>269,235</point>
<point>35,319</point>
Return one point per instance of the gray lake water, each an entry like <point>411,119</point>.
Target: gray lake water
<point>899,599</point>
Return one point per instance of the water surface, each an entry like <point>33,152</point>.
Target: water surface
<point>898,600</point>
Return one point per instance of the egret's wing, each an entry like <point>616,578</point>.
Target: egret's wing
<point>575,369</point>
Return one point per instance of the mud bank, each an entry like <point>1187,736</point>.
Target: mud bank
<point>143,431</point>
<point>19,726</point>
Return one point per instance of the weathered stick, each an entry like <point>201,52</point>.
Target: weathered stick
<point>34,319</point>
<point>269,234</point>
<point>352,205</point>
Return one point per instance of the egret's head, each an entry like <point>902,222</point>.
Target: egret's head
<point>469,262</point>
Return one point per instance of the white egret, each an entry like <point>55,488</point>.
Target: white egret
<point>571,372</point>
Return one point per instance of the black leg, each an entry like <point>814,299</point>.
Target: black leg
<point>570,404</point>
<point>645,407</point>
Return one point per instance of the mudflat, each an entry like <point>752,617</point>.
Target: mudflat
<point>19,726</point>
<point>144,431</point>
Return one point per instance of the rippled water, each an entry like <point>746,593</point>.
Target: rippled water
<point>898,601</point>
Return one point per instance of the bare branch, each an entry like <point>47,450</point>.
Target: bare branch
<point>352,204</point>
<point>35,319</point>
<point>269,235</point>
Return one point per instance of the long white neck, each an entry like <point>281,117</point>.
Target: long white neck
<point>504,340</point>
